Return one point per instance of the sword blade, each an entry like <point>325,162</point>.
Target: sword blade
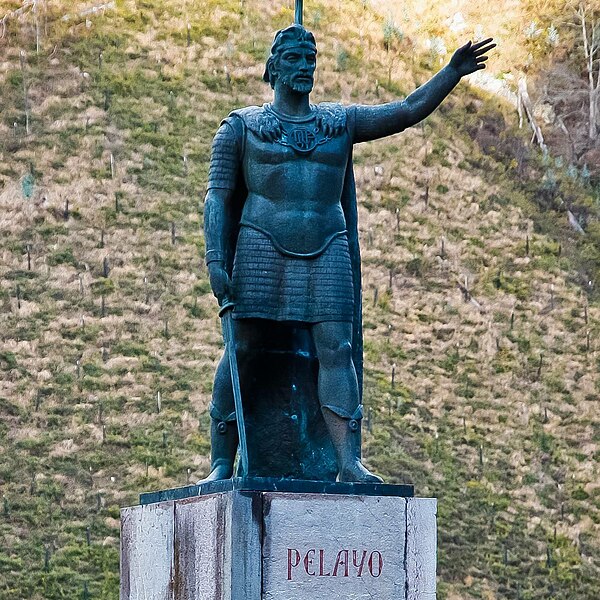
<point>235,384</point>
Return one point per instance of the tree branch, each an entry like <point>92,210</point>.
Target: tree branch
<point>15,14</point>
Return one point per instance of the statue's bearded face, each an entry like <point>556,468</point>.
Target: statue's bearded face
<point>296,68</point>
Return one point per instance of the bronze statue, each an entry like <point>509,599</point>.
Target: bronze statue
<point>282,237</point>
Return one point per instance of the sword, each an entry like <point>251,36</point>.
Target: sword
<point>230,348</point>
<point>298,19</point>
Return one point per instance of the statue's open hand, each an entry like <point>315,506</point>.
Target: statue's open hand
<point>220,282</point>
<point>471,57</point>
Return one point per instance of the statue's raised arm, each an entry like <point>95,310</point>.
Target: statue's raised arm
<point>374,122</point>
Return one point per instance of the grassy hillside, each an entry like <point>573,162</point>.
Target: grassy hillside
<point>475,289</point>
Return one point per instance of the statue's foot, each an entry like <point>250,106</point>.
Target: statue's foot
<point>219,472</point>
<point>356,472</point>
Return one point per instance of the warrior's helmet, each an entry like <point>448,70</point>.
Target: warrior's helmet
<point>290,37</point>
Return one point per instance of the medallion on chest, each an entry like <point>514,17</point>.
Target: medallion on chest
<point>302,138</point>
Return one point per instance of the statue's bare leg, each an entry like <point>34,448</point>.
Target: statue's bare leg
<point>339,398</point>
<point>223,426</point>
<point>223,431</point>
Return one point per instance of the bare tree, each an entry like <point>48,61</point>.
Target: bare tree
<point>524,103</point>
<point>25,92</point>
<point>589,24</point>
<point>36,11</point>
<point>392,39</point>
<point>15,14</point>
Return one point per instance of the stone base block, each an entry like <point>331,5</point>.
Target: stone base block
<point>265,545</point>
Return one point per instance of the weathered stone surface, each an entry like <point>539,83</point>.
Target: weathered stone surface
<point>421,548</point>
<point>147,552</point>
<point>199,548</point>
<point>347,547</point>
<point>244,522</point>
<point>252,545</point>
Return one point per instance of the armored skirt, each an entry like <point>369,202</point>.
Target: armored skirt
<point>268,284</point>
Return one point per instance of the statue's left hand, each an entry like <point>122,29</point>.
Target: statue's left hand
<point>471,57</point>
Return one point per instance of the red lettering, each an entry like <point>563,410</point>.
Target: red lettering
<point>339,562</point>
<point>291,564</point>
<point>322,564</point>
<point>363,563</point>
<point>360,566</point>
<point>308,562</point>
<point>375,567</point>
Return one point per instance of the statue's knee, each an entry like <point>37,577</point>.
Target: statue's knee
<point>221,414</point>
<point>338,354</point>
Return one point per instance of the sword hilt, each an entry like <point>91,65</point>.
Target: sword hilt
<point>227,305</point>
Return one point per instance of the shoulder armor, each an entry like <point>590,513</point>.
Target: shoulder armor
<point>260,121</point>
<point>332,117</point>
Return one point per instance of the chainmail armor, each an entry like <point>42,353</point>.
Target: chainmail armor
<point>225,158</point>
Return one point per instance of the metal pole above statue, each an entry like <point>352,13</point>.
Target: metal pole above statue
<point>299,12</point>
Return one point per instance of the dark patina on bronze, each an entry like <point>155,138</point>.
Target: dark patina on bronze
<point>281,232</point>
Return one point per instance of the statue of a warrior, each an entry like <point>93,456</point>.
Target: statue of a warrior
<point>282,238</point>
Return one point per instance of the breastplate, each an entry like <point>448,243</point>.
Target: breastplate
<point>294,171</point>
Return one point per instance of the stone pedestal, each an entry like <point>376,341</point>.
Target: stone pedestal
<point>330,541</point>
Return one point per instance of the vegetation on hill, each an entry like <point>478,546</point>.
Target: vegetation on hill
<point>481,313</point>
